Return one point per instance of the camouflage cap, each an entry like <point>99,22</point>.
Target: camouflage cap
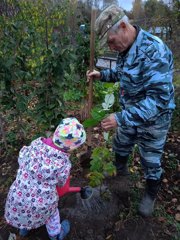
<point>109,17</point>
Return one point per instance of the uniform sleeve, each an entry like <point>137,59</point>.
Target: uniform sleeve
<point>157,76</point>
<point>109,75</point>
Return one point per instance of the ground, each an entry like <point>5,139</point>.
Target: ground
<point>113,216</point>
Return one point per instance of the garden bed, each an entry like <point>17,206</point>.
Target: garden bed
<point>114,216</point>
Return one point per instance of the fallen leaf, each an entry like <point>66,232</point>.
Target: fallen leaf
<point>118,225</point>
<point>160,198</point>
<point>169,211</point>
<point>139,185</point>
<point>109,237</point>
<point>178,208</point>
<point>96,135</point>
<point>135,168</point>
<point>137,159</point>
<point>165,180</point>
<point>166,231</point>
<point>170,192</point>
<point>162,219</point>
<point>177,217</point>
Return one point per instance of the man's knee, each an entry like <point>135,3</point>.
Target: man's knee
<point>124,140</point>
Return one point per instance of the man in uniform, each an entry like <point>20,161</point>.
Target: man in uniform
<point>145,71</point>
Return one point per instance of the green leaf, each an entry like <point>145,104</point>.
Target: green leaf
<point>10,62</point>
<point>96,165</point>
<point>109,168</point>
<point>101,152</point>
<point>96,179</point>
<point>90,122</point>
<point>48,113</point>
<point>51,106</point>
<point>97,114</point>
<point>108,85</point>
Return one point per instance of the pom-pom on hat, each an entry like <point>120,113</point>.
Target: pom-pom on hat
<point>69,134</point>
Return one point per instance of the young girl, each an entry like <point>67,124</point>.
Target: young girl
<point>33,200</point>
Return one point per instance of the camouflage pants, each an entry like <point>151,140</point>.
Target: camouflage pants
<point>150,139</point>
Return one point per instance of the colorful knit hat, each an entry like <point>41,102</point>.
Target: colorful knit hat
<point>69,134</point>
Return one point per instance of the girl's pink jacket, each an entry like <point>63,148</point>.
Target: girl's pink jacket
<point>32,197</point>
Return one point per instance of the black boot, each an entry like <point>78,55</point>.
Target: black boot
<point>146,206</point>
<point>121,165</point>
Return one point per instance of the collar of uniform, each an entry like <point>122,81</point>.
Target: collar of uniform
<point>133,51</point>
<point>123,54</point>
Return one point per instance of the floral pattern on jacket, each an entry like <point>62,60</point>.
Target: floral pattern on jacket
<point>32,197</point>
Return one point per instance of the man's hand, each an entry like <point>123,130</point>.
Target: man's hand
<point>92,75</point>
<point>109,122</point>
